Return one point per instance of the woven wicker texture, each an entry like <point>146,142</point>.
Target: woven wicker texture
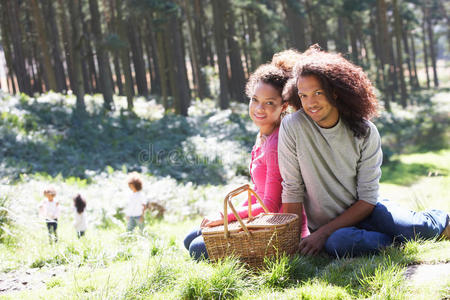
<point>269,235</point>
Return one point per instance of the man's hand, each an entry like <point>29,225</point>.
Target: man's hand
<point>212,221</point>
<point>313,244</point>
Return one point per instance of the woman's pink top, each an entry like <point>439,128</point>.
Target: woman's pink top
<point>267,179</point>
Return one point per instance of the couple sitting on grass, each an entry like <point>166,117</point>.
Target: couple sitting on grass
<point>324,159</point>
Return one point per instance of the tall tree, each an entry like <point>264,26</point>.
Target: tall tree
<point>398,37</point>
<point>296,25</point>
<point>429,23</point>
<point>237,71</point>
<point>23,80</point>
<point>385,54</point>
<point>77,46</point>
<point>219,37</point>
<point>137,55</point>
<point>48,68</point>
<point>50,16</point>
<point>102,57</point>
<point>124,53</point>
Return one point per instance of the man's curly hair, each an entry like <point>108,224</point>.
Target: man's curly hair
<point>346,86</point>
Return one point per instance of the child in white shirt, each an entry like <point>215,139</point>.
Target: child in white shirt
<point>49,210</point>
<point>80,218</point>
<point>136,204</point>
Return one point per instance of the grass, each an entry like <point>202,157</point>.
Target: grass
<point>108,264</point>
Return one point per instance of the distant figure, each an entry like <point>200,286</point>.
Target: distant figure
<point>134,211</point>
<point>80,218</point>
<point>49,210</point>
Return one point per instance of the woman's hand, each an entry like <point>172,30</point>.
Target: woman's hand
<point>212,221</point>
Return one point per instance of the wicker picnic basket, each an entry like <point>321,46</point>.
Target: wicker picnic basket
<point>252,239</point>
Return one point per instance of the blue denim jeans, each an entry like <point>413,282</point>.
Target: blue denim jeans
<point>387,224</point>
<point>133,222</point>
<point>195,244</point>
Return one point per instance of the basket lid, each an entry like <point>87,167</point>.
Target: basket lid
<point>262,221</point>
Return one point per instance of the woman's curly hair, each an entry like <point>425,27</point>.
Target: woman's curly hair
<point>269,74</point>
<point>346,86</point>
<point>276,73</point>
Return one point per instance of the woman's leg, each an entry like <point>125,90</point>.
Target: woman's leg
<point>191,236</point>
<point>197,248</point>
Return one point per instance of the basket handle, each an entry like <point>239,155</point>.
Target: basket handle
<point>227,202</point>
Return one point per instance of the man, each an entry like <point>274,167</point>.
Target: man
<point>330,160</point>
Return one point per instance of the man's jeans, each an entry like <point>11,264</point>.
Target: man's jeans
<point>388,223</point>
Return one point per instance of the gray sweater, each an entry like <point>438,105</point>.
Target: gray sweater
<point>327,169</point>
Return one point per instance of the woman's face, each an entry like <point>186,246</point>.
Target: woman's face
<point>265,107</point>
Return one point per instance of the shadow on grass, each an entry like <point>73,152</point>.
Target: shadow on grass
<point>397,172</point>
<point>52,141</point>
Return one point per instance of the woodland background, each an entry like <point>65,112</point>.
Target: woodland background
<point>180,50</point>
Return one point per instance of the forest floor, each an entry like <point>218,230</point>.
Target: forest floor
<point>40,148</point>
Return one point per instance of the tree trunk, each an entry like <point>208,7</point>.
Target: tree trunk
<point>124,56</point>
<point>385,46</point>
<point>20,70</point>
<point>219,37</point>
<point>429,22</point>
<point>341,41</point>
<point>163,66</point>
<point>295,23</point>
<point>413,56</point>
<point>138,57</point>
<point>425,48</point>
<point>181,74</point>
<point>102,57</point>
<point>400,72</point>
<point>42,36</point>
<point>7,45</point>
<point>155,77</point>
<point>67,43</point>
<point>77,46</point>
<point>55,46</point>
<point>199,37</point>
<point>237,71</point>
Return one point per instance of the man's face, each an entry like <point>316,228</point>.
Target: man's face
<point>315,102</point>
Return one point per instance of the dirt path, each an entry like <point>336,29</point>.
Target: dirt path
<point>28,279</point>
<point>419,274</point>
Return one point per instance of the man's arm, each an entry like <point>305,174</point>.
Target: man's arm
<point>314,243</point>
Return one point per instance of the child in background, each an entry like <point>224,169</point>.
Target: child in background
<point>80,219</point>
<point>49,209</point>
<point>134,210</point>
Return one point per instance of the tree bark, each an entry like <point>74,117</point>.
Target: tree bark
<point>50,15</point>
<point>219,37</point>
<point>124,56</point>
<point>102,57</point>
<point>386,58</point>
<point>42,36</point>
<point>237,71</point>
<point>67,43</point>
<point>413,56</point>
<point>138,57</point>
<point>295,23</point>
<point>400,72</point>
<point>77,46</point>
<point>425,48</point>
<point>20,70</point>
<point>429,22</point>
